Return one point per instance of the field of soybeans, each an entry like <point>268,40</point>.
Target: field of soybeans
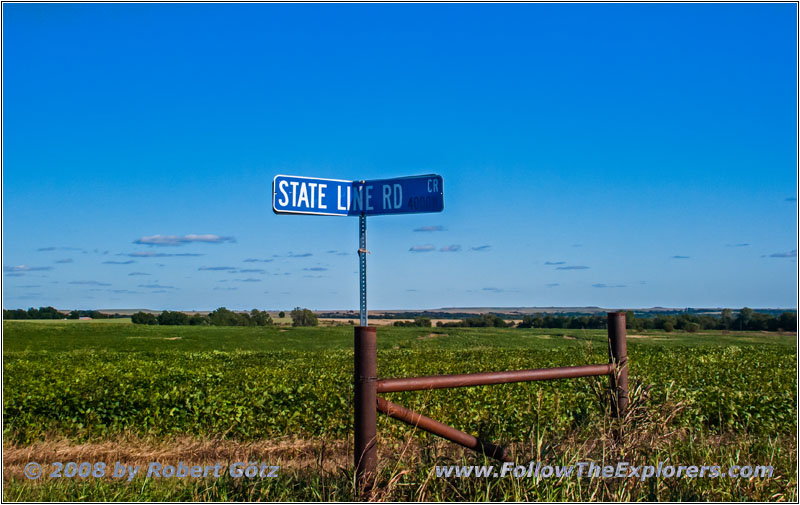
<point>87,392</point>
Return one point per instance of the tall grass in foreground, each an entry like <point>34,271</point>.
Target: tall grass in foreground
<point>412,478</point>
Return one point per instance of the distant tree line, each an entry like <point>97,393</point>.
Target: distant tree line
<point>219,317</point>
<point>413,314</point>
<point>644,313</point>
<point>419,322</point>
<point>31,313</point>
<point>481,321</point>
<point>52,313</point>
<point>745,319</point>
<point>594,322</point>
<point>75,314</point>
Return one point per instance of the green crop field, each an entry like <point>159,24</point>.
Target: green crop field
<point>109,392</point>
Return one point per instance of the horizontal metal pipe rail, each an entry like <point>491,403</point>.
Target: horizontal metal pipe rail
<point>486,378</point>
<point>426,423</point>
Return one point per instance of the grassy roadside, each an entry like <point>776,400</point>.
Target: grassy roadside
<point>321,471</point>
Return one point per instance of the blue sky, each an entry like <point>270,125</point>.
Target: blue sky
<point>592,154</point>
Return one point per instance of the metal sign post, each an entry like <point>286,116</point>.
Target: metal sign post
<point>362,266</point>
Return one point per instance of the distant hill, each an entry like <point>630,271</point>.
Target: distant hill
<point>517,312</point>
<point>462,312</point>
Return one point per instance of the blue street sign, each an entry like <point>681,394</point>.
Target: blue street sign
<point>334,197</point>
<point>404,195</point>
<point>292,194</point>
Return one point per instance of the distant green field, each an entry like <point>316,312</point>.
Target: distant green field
<point>116,320</point>
<point>91,383</point>
<point>121,336</point>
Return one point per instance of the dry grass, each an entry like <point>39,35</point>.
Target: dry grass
<point>406,469</point>
<point>289,453</point>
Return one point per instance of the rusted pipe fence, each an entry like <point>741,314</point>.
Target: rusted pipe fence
<point>487,378</point>
<point>448,432</point>
<point>618,355</point>
<point>367,386</point>
<point>365,423</point>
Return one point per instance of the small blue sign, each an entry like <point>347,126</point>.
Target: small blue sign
<point>292,194</point>
<point>334,197</point>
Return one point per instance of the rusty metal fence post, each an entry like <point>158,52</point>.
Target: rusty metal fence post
<point>618,356</point>
<point>365,379</point>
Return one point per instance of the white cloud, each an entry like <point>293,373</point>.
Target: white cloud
<point>790,254</point>
<point>150,254</point>
<point>177,240</point>
<point>25,268</point>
